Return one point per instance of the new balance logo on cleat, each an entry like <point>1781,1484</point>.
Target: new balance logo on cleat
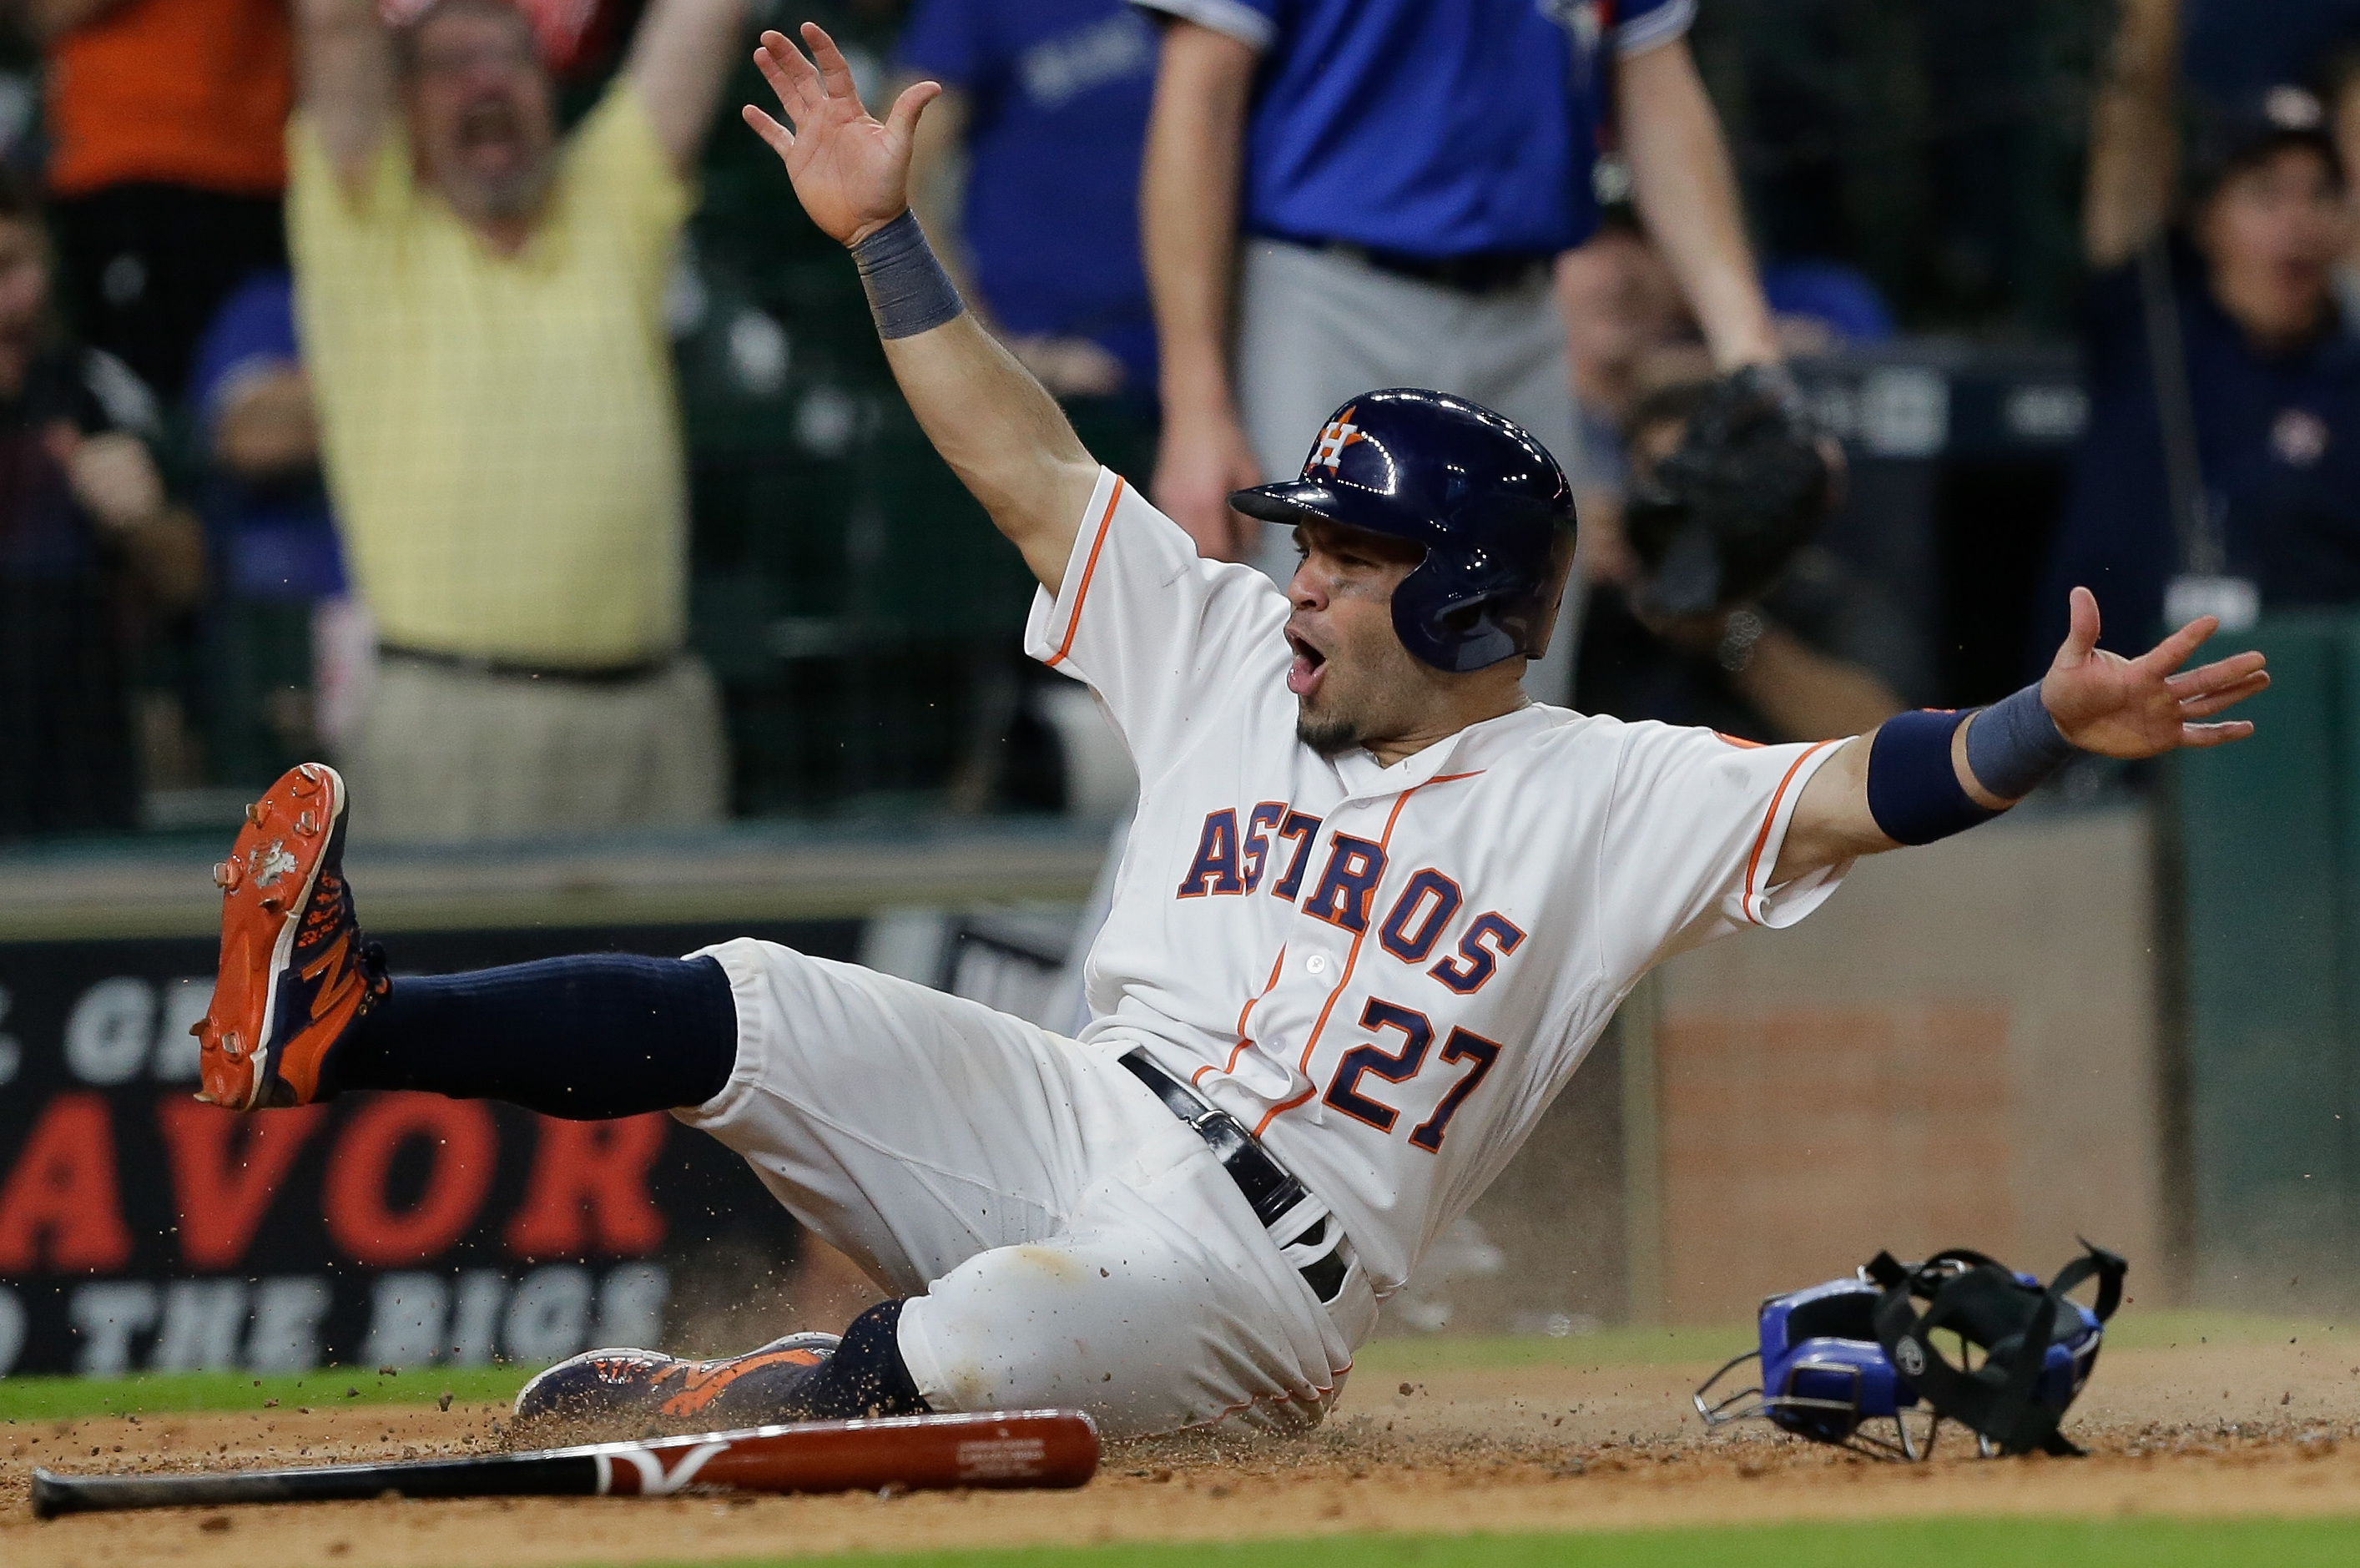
<point>763,1385</point>
<point>703,1382</point>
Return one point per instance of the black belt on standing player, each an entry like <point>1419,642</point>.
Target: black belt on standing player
<point>1270,1187</point>
<point>1479,274</point>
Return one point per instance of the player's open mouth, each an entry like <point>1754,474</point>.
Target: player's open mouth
<point>1310,665</point>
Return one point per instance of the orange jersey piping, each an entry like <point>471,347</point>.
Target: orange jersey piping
<point>1769,818</point>
<point>1245,1040</point>
<point>1089,567</point>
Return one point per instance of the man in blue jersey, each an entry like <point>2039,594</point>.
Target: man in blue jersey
<point>1341,194</point>
<point>1048,99</point>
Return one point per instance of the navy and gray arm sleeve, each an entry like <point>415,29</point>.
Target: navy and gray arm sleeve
<point>1913,786</point>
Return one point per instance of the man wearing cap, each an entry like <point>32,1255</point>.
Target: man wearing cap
<point>2220,469</point>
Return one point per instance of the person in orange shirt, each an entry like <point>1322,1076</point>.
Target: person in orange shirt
<point>166,124</point>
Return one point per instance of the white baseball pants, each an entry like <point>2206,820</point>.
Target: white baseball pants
<point>1062,1238</point>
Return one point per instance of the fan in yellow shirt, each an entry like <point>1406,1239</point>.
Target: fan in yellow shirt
<point>481,305</point>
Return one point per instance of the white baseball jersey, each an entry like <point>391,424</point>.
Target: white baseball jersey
<point>1386,972</point>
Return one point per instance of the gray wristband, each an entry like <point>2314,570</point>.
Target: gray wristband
<point>2014,745</point>
<point>909,292</point>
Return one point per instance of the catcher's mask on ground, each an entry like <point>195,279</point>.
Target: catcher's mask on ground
<point>1486,506</point>
<point>1839,1358</point>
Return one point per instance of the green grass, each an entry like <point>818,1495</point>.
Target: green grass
<point>59,1399</point>
<point>1949,1543</point>
<point>2137,1328</point>
<point>2168,1328</point>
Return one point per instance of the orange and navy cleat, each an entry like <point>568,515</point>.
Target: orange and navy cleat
<point>295,972</point>
<point>761,1386</point>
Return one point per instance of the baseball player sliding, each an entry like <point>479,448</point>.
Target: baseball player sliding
<point>1375,908</point>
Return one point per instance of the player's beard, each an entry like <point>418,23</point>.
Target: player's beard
<point>1334,719</point>
<point>1332,735</point>
<point>1372,685</point>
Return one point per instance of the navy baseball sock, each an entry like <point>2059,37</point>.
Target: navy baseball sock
<point>866,1376</point>
<point>586,1038</point>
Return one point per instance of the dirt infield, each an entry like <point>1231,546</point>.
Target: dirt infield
<point>2267,1430</point>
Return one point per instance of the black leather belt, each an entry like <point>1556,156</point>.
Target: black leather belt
<point>596,675</point>
<point>1270,1187</point>
<point>1475,272</point>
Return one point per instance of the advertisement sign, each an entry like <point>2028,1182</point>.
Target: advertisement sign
<point>141,1230</point>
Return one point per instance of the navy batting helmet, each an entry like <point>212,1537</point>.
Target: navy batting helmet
<point>1488,504</point>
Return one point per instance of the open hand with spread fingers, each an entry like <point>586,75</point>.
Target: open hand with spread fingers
<point>850,169</point>
<point>2138,707</point>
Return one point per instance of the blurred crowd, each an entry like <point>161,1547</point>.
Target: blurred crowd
<point>341,347</point>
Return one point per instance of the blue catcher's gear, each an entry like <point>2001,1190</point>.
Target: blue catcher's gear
<point>1488,504</point>
<point>1823,1373</point>
<point>1838,1356</point>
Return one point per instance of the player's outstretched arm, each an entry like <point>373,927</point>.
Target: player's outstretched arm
<point>998,430</point>
<point>1924,775</point>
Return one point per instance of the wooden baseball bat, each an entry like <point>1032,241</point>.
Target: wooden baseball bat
<point>1022,1448</point>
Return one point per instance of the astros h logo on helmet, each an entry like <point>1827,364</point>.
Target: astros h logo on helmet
<point>1334,437</point>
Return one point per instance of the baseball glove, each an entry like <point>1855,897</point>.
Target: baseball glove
<point>1722,516</point>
